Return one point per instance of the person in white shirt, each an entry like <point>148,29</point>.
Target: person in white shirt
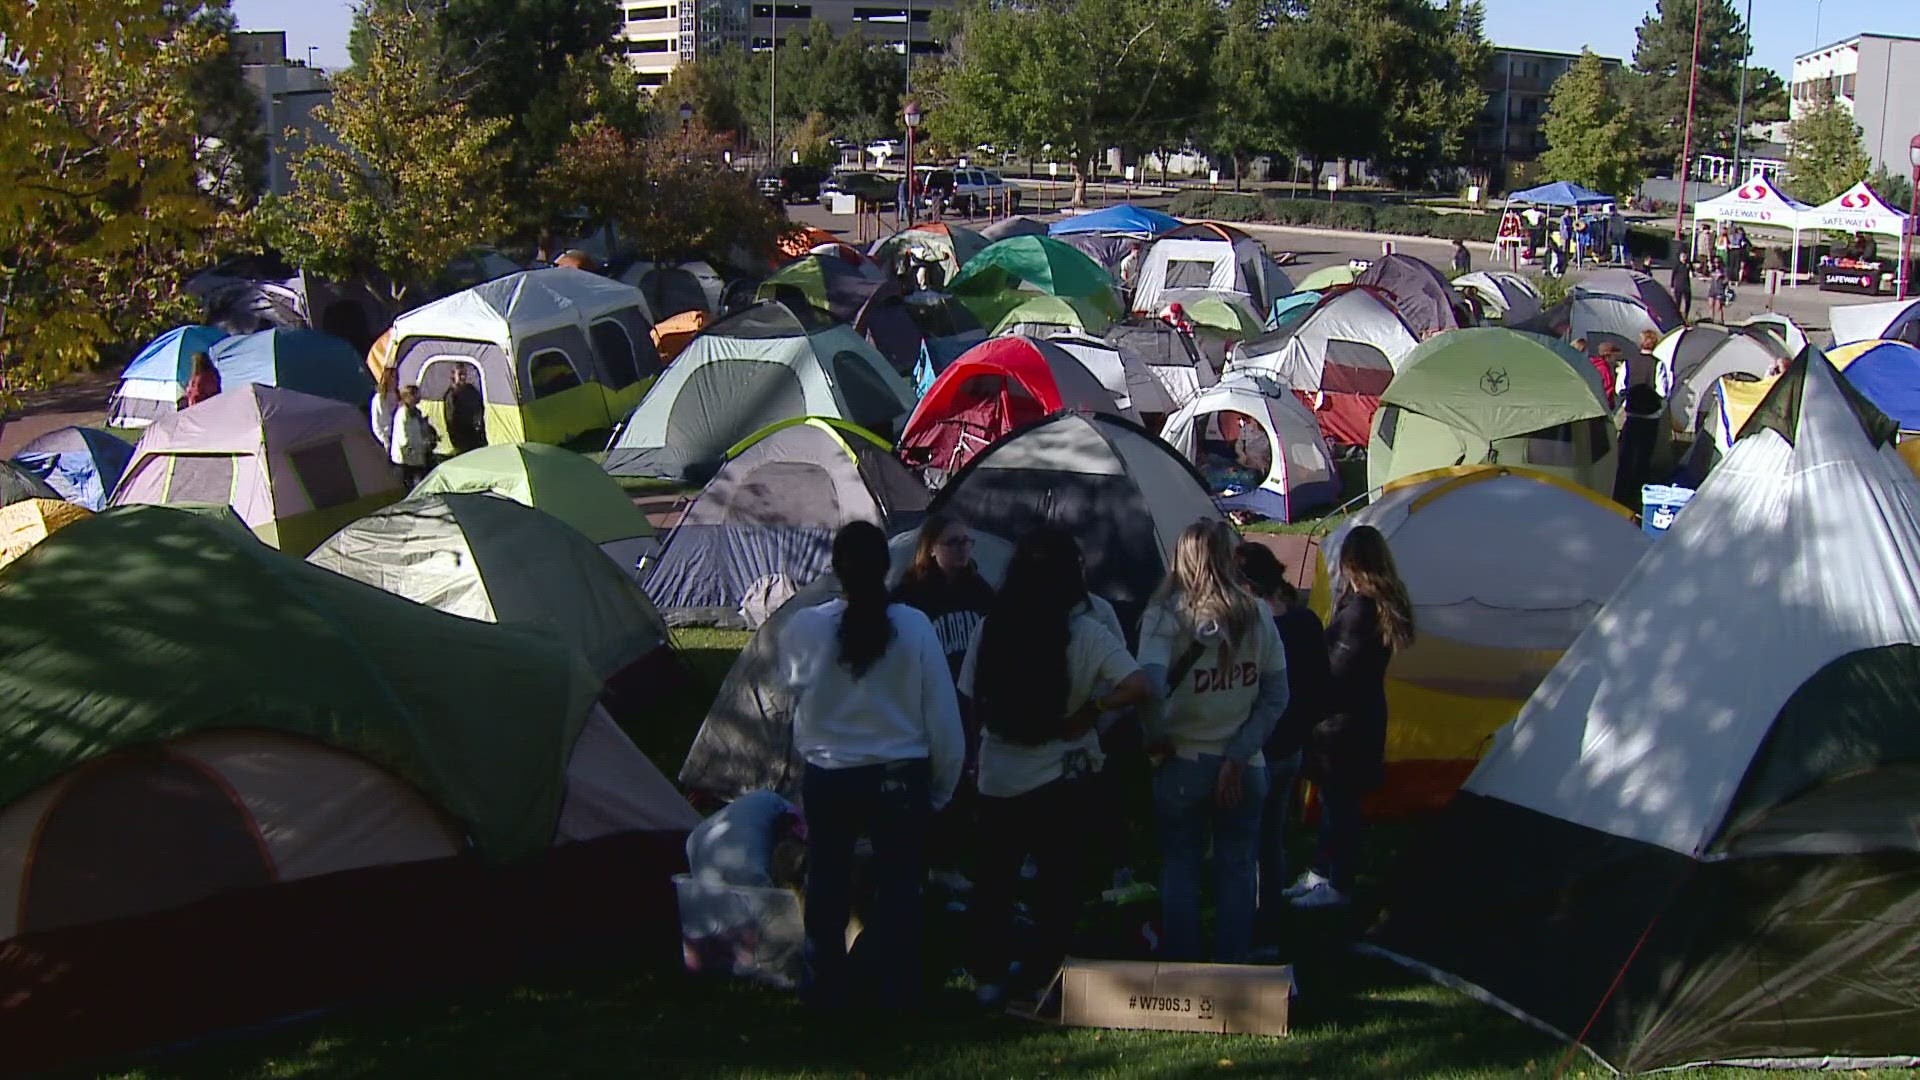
<point>413,438</point>
<point>386,405</point>
<point>876,720</point>
<point>1040,671</point>
<point>1207,637</point>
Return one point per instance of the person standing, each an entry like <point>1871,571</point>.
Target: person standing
<point>877,723</point>
<point>1717,293</point>
<point>1040,672</point>
<point>385,407</point>
<point>1617,234</point>
<point>203,379</point>
<point>1304,641</point>
<point>1462,261</point>
<point>413,440</point>
<point>1639,434</point>
<point>944,584</point>
<point>1680,284</point>
<point>1737,255</point>
<point>465,411</point>
<point>1212,642</point>
<point>1346,751</point>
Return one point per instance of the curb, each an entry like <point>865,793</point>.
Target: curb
<point>1398,238</point>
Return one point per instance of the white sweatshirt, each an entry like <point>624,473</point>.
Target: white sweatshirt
<point>1097,660</point>
<point>1223,705</point>
<point>902,709</point>
<point>413,438</point>
<point>386,405</point>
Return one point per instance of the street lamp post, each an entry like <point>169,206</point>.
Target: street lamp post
<point>686,116</point>
<point>1913,206</point>
<point>911,115</point>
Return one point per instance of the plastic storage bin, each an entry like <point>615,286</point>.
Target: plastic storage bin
<point>1659,505</point>
<point>745,932</point>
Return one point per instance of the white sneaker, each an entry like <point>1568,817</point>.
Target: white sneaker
<point>1320,896</point>
<point>1304,884</point>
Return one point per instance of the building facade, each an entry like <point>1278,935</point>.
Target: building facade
<point>1877,78</point>
<point>288,91</point>
<point>1518,84</point>
<point>658,37</point>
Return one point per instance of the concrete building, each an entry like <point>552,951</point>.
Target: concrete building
<point>658,37</point>
<point>1877,77</point>
<point>1519,83</point>
<point>288,92</point>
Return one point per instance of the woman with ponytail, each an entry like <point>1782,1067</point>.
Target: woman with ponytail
<point>876,720</point>
<point>1208,639</point>
<point>1041,670</point>
<point>1346,751</point>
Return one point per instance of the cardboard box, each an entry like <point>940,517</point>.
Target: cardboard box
<point>1227,999</point>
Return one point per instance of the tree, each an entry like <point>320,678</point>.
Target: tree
<point>100,211</point>
<point>1590,130</point>
<point>1895,188</point>
<point>1825,152</point>
<point>1083,75</point>
<point>1766,97</point>
<point>412,183</point>
<point>1663,64</point>
<point>229,145</point>
<point>1333,105</point>
<point>1425,63</point>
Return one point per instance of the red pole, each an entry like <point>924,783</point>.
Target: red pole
<point>1686,141</point>
<point>1906,234</point>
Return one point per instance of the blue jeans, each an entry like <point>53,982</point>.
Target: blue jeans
<point>1339,834</point>
<point>1184,806</point>
<point>1283,775</point>
<point>890,805</point>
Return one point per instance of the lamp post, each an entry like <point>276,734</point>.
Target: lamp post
<point>1913,206</point>
<point>686,116</point>
<point>911,116</point>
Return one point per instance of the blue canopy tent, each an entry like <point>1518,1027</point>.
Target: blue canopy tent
<point>304,360</point>
<point>1124,218</point>
<point>1560,193</point>
<point>157,378</point>
<point>1291,308</point>
<point>82,465</point>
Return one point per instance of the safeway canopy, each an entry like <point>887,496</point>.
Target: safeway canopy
<point>1859,209</point>
<point>1757,202</point>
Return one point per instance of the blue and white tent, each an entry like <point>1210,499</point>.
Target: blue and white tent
<point>82,465</point>
<point>293,359</point>
<point>158,374</point>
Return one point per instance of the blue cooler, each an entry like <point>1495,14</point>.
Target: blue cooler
<point>1659,504</point>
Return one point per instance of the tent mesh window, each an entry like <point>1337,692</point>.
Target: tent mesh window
<point>1189,273</point>
<point>325,474</point>
<point>610,340</point>
<point>201,478</point>
<point>137,833</point>
<point>551,371</point>
<point>784,493</point>
<point>1389,424</point>
<point>870,403</point>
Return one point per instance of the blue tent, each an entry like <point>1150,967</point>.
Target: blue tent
<point>170,356</point>
<point>1561,193</point>
<point>82,465</point>
<point>1124,218</point>
<point>1888,373</point>
<point>1291,308</point>
<point>304,360</point>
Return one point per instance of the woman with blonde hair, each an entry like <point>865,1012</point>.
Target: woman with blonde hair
<point>1212,643</point>
<point>1346,751</point>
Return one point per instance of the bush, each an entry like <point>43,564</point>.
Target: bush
<point>1351,215</point>
<point>1217,205</point>
<point>1649,241</point>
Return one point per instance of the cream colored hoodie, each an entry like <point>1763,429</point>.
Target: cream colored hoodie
<point>1225,704</point>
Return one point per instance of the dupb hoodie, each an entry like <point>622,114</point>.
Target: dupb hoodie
<point>1227,702</point>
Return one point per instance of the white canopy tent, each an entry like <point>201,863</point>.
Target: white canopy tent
<point>1859,209</point>
<point>1758,203</point>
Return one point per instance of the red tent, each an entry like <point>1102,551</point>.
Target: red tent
<point>991,389</point>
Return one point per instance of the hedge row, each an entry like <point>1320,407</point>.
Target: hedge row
<point>1356,216</point>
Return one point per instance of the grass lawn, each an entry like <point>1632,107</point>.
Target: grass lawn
<point>1355,1017</point>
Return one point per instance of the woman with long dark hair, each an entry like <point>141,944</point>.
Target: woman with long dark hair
<point>943,583</point>
<point>876,721</point>
<point>1304,641</point>
<point>1346,752</point>
<point>1210,640</point>
<point>1041,671</point>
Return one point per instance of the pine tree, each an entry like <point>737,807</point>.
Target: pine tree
<point>1663,64</point>
<point>1590,130</point>
<point>1825,152</point>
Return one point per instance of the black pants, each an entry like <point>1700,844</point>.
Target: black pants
<point>888,804</point>
<point>1048,823</point>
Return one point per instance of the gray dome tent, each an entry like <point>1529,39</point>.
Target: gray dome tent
<point>763,365</point>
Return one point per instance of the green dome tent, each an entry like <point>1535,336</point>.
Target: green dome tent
<point>560,482</point>
<point>1006,273</point>
<point>1494,396</point>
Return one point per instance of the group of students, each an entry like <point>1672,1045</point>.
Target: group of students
<point>1009,709</point>
<point>1576,238</point>
<point>409,437</point>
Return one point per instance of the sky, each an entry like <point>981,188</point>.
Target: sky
<point>1781,28</point>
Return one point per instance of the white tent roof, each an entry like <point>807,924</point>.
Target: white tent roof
<point>1354,315</point>
<point>1858,210</point>
<point>1134,388</point>
<point>506,309</point>
<point>1792,555</point>
<point>1756,202</point>
<point>1865,322</point>
<point>1300,452</point>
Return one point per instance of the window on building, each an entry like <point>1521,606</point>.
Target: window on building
<point>650,45</point>
<point>651,78</point>
<point>784,11</point>
<point>1846,85</point>
<point>646,14</point>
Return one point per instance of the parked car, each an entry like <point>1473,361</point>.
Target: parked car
<point>968,191</point>
<point>872,187</point>
<point>881,150</point>
<point>795,183</point>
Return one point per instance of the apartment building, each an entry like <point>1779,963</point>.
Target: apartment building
<point>1518,84</point>
<point>1877,78</point>
<point>658,37</point>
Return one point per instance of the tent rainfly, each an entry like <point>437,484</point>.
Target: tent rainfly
<point>1212,257</point>
<point>989,391</point>
<point>1890,320</point>
<point>561,483</point>
<point>1175,360</point>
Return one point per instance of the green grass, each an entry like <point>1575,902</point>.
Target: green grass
<point>1355,1017</point>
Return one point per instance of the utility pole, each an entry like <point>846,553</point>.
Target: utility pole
<point>773,52</point>
<point>907,47</point>
<point>1686,140</point>
<point>1740,110</point>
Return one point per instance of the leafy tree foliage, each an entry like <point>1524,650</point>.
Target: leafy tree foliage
<point>100,208</point>
<point>1590,130</point>
<point>1663,63</point>
<point>1825,152</point>
<point>231,148</point>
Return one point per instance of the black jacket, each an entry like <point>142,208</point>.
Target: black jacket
<point>1308,678</point>
<point>955,607</point>
<point>1349,744</point>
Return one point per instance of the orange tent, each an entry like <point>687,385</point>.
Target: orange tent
<point>807,239</point>
<point>380,357</point>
